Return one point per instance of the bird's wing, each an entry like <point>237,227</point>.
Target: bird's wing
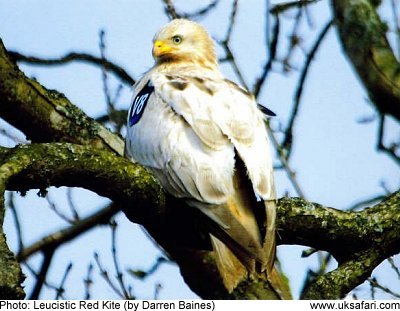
<point>219,111</point>
<point>216,110</point>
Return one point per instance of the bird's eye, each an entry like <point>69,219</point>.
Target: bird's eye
<point>177,39</point>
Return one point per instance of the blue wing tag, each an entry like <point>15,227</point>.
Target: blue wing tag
<point>139,104</point>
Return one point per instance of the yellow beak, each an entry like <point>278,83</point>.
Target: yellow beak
<point>160,48</point>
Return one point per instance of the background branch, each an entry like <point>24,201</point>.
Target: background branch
<point>101,62</point>
<point>363,37</point>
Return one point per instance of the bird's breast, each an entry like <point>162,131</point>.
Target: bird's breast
<point>164,142</point>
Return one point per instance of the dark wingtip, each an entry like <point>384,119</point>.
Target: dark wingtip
<point>266,111</point>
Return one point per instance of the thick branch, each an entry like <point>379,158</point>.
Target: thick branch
<point>46,115</point>
<point>64,164</point>
<point>363,37</point>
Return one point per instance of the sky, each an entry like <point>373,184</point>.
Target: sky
<point>334,154</point>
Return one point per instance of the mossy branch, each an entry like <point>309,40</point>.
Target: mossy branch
<point>47,115</point>
<point>363,38</point>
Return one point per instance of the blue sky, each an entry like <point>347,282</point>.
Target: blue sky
<point>334,155</point>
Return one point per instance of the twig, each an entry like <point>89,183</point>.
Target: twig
<point>365,202</point>
<point>390,151</point>
<point>104,77</point>
<point>117,70</point>
<point>372,290</point>
<point>60,290</point>
<point>119,274</point>
<point>268,65</point>
<point>282,7</point>
<point>55,209</point>
<point>288,138</point>
<point>394,267</point>
<point>373,282</point>
<point>229,57</point>
<point>294,40</point>
<point>59,237</point>
<point>232,19</point>
<point>141,274</point>
<point>282,158</point>
<point>170,10</point>
<point>11,205</point>
<point>104,275</point>
<point>201,12</point>
<point>157,288</point>
<point>397,25</point>
<point>41,276</point>
<point>267,23</point>
<point>72,206</point>
<point>88,281</point>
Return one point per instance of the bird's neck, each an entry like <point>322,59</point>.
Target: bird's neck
<point>194,61</point>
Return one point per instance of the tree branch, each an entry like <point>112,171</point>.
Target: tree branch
<point>107,65</point>
<point>363,37</point>
<point>46,115</point>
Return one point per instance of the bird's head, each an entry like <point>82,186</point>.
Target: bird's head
<point>184,41</point>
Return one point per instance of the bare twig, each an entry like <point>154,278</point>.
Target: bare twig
<point>394,267</point>
<point>117,70</point>
<point>11,205</point>
<point>119,274</point>
<point>88,281</point>
<point>55,209</point>
<point>282,7</point>
<point>365,202</point>
<point>170,9</point>
<point>282,158</point>
<point>57,238</point>
<point>201,12</point>
<point>60,290</point>
<point>225,43</point>
<point>372,290</point>
<point>41,276</point>
<point>394,4</point>
<point>268,65</point>
<point>141,274</point>
<point>288,139</point>
<point>104,275</point>
<point>72,206</point>
<point>104,77</point>
<point>267,23</point>
<point>36,275</point>
<point>157,288</point>
<point>390,151</point>
<point>232,20</point>
<point>374,283</point>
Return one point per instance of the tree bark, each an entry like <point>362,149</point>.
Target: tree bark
<point>363,38</point>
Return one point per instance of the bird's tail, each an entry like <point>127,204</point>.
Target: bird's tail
<point>244,238</point>
<point>233,271</point>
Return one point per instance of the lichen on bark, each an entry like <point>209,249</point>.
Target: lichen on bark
<point>363,37</point>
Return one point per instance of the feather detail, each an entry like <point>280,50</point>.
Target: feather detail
<point>230,268</point>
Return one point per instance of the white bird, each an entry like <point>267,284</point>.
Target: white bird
<point>204,138</point>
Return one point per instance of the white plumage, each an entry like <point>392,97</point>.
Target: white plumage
<point>192,130</point>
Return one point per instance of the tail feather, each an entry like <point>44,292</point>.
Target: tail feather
<point>243,238</point>
<point>232,271</point>
<point>269,244</point>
